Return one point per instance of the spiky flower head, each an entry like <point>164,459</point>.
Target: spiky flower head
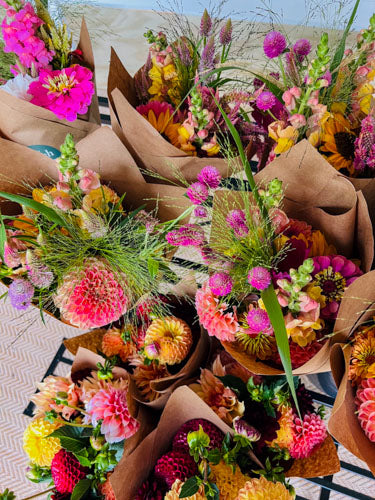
<point>302,47</point>
<point>260,346</point>
<point>197,193</point>
<point>210,176</point>
<point>168,340</point>
<point>207,61</point>
<point>363,355</point>
<point>92,296</point>
<point>38,273</point>
<point>259,278</point>
<point>225,35</point>
<point>265,100</point>
<point>262,489</point>
<point>258,321</point>
<point>20,293</point>
<point>274,44</point>
<point>229,482</point>
<point>66,471</point>
<point>206,24</point>
<point>214,433</point>
<point>174,465</point>
<point>40,448</point>
<point>365,403</point>
<point>309,434</point>
<point>236,219</point>
<point>221,284</point>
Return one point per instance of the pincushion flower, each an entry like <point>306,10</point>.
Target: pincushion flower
<point>222,400</point>
<point>362,364</point>
<point>333,274</point>
<point>309,434</point>
<point>19,86</point>
<point>229,482</point>
<point>110,406</point>
<point>92,296</point>
<point>262,489</point>
<point>160,115</point>
<point>20,293</point>
<point>338,142</point>
<point>67,92</point>
<point>213,315</point>
<point>40,448</point>
<point>44,400</point>
<point>365,403</point>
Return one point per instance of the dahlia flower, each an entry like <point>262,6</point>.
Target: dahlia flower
<point>180,441</point>
<point>257,344</point>
<point>299,355</point>
<point>66,471</point>
<point>274,44</point>
<point>363,355</point>
<point>44,400</point>
<point>19,86</point>
<point>161,117</point>
<point>40,448</point>
<point>111,407</point>
<point>67,92</point>
<point>106,489</point>
<point>309,434</point>
<point>114,345</point>
<point>174,465</point>
<point>227,481</point>
<point>91,385</point>
<point>285,434</point>
<point>91,296</point>
<point>365,403</point>
<point>213,316</point>
<point>245,430</point>
<point>333,274</point>
<point>174,493</point>
<point>222,400</point>
<point>262,489</point>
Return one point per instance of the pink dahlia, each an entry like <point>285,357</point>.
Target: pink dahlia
<point>213,316</point>
<point>92,296</point>
<point>365,403</point>
<point>67,92</point>
<point>333,273</point>
<point>309,433</point>
<point>111,407</point>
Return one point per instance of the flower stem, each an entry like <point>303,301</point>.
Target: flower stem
<point>282,70</point>
<point>73,425</point>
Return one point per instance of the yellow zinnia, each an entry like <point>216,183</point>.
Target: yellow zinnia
<point>40,448</point>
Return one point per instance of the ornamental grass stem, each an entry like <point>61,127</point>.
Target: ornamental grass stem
<point>39,494</point>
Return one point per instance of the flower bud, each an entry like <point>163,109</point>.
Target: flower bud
<point>243,429</point>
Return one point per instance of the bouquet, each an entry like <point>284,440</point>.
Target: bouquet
<point>50,81</point>
<point>75,252</point>
<point>174,99</point>
<point>81,423</point>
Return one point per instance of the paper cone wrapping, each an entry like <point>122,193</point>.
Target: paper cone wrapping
<point>150,150</point>
<point>28,124</point>
<point>316,193</point>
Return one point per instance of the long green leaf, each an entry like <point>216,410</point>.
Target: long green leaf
<point>35,205</point>
<point>3,238</point>
<point>80,489</point>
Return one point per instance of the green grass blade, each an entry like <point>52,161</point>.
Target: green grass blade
<point>3,238</point>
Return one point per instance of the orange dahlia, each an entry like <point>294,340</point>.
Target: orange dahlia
<point>114,345</point>
<point>168,340</point>
<point>143,375</point>
<point>262,489</point>
<point>44,400</point>
<point>227,481</point>
<point>285,435</point>
<point>363,355</point>
<point>174,493</point>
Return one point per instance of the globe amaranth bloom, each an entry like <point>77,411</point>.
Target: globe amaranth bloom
<point>274,44</point>
<point>197,193</point>
<point>265,100</point>
<point>259,277</point>
<point>221,284</point>
<point>210,176</point>
<point>302,47</point>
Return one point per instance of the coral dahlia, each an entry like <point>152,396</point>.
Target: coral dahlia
<point>365,403</point>
<point>262,489</point>
<point>174,465</point>
<point>66,471</point>
<point>309,433</point>
<point>363,355</point>
<point>114,345</point>
<point>44,400</point>
<point>180,438</point>
<point>174,493</point>
<point>92,296</point>
<point>143,376</point>
<point>40,448</point>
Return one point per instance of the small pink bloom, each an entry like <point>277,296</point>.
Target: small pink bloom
<point>62,202</point>
<point>63,186</point>
<point>297,121</point>
<point>279,219</point>
<point>90,180</point>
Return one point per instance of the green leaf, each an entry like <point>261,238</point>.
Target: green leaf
<point>3,238</point>
<point>235,384</point>
<point>214,456</point>
<point>82,459</point>
<point>189,488</point>
<point>80,489</point>
<point>34,205</point>
<point>70,438</point>
<point>153,267</point>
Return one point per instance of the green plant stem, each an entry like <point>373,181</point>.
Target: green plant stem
<point>63,422</point>
<point>171,224</point>
<point>282,70</point>
<point>304,100</point>
<point>39,494</point>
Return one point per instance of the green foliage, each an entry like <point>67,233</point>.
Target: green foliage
<point>299,279</point>
<point>80,489</point>
<point>7,495</point>
<point>6,61</point>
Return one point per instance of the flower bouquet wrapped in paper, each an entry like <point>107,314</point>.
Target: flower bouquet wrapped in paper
<point>353,368</point>
<point>83,424</point>
<point>52,92</point>
<point>172,100</point>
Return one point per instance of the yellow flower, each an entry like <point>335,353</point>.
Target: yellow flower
<point>184,135</point>
<point>338,141</point>
<point>285,435</point>
<point>98,199</point>
<point>174,493</point>
<point>315,292</point>
<point>338,107</point>
<point>319,245</point>
<point>363,355</point>
<point>213,150</point>
<point>228,482</point>
<point>164,125</point>
<point>286,137</point>
<point>165,83</point>
<point>39,448</point>
<point>262,489</point>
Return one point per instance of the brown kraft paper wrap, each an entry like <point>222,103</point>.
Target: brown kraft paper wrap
<point>329,203</point>
<point>150,150</point>
<point>28,124</point>
<point>87,360</point>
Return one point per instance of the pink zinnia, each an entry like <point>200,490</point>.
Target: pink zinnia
<point>259,277</point>
<point>67,92</point>
<point>111,407</point>
<point>213,316</point>
<point>365,403</point>
<point>92,296</point>
<point>221,284</point>
<point>309,433</point>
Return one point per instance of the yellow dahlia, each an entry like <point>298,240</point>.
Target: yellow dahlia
<point>168,340</point>
<point>39,448</point>
<point>98,200</point>
<point>174,493</point>
<point>284,435</point>
<point>262,489</point>
<point>363,355</point>
<point>338,141</point>
<point>143,375</point>
<point>260,346</point>
<point>227,481</point>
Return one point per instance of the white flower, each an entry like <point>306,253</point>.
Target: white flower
<point>18,86</point>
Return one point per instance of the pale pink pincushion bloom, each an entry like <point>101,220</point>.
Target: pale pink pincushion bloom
<point>67,92</point>
<point>218,323</point>
<point>92,296</point>
<point>111,407</point>
<point>89,180</point>
<point>49,389</point>
<point>365,403</point>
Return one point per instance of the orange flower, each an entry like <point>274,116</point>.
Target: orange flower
<point>229,482</point>
<point>363,355</point>
<point>114,345</point>
<point>284,436</point>
<point>285,136</point>
<point>98,200</point>
<point>262,489</point>
<point>144,375</point>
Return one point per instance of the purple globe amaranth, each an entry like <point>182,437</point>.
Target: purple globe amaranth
<point>209,176</point>
<point>20,293</point>
<point>236,219</point>
<point>220,284</point>
<point>197,193</point>
<point>266,100</point>
<point>302,47</point>
<point>274,44</point>
<point>258,320</point>
<point>200,212</point>
<point>259,277</point>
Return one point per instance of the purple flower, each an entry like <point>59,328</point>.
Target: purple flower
<point>259,277</point>
<point>266,100</point>
<point>274,44</point>
<point>258,320</point>
<point>207,61</point>
<point>200,212</point>
<point>197,193</point>
<point>185,236</point>
<point>210,176</point>
<point>20,293</point>
<point>243,429</point>
<point>364,155</point>
<point>225,35</point>
<point>221,284</point>
<point>206,24</point>
<point>184,53</point>
<point>302,47</point>
<point>236,219</point>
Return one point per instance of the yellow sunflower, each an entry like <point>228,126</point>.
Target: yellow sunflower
<point>160,115</point>
<point>338,141</point>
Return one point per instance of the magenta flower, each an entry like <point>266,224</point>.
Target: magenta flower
<point>197,193</point>
<point>206,24</point>
<point>236,219</point>
<point>302,48</point>
<point>20,293</point>
<point>266,100</point>
<point>210,176</point>
<point>225,35</point>
<point>200,212</point>
<point>333,274</point>
<point>258,321</point>
<point>364,155</point>
<point>187,235</point>
<point>221,284</point>
<point>67,92</point>
<point>259,277</point>
<point>274,44</point>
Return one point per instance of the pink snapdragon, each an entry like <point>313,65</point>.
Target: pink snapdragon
<point>297,120</point>
<point>290,96</point>
<point>89,180</point>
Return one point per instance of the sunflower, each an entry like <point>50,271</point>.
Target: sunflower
<point>160,115</point>
<point>338,141</point>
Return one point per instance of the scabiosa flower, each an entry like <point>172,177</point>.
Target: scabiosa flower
<point>266,100</point>
<point>274,44</point>
<point>180,438</point>
<point>91,296</point>
<point>206,24</point>
<point>302,47</point>
<point>66,471</point>
<point>245,430</point>
<point>111,407</point>
<point>221,284</point>
<point>197,193</point>
<point>174,493</point>
<point>210,176</point>
<point>174,465</point>
<point>67,92</point>
<point>39,274</point>
<point>309,434</point>
<point>236,219</point>
<point>365,403</point>
<point>363,355</point>
<point>262,489</point>
<point>225,35</point>
<point>20,293</point>
<point>187,235</point>
<point>214,316</point>
<point>364,154</point>
<point>259,277</point>
<point>258,321</point>
<point>40,448</point>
